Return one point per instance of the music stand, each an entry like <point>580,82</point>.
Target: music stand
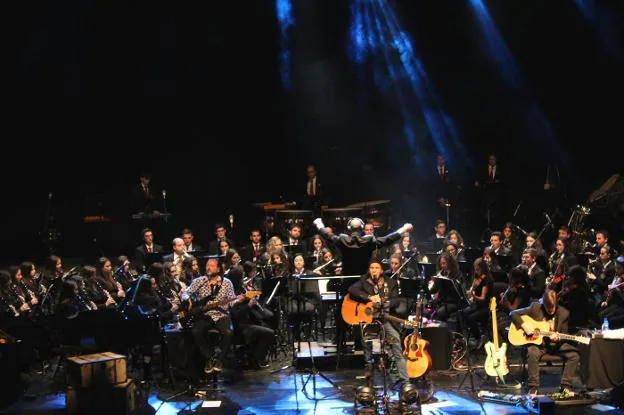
<point>462,303</point>
<point>313,371</point>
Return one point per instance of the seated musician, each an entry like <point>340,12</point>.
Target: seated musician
<point>212,287</point>
<point>600,274</point>
<point>612,305</point>
<point>445,295</point>
<point>574,296</point>
<point>252,323</point>
<point>384,294</point>
<point>396,260</point>
<point>558,317</point>
<point>537,276</point>
<point>304,296</point>
<point>480,293</point>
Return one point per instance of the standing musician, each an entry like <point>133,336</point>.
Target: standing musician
<point>384,293</point>
<point>558,317</point>
<point>213,287</point>
<point>357,248</point>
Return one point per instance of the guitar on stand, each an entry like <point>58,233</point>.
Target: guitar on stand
<point>417,358</point>
<point>496,360</point>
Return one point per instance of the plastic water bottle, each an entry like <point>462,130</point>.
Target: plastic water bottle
<point>605,324</point>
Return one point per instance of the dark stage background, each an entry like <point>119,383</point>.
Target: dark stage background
<point>100,92</point>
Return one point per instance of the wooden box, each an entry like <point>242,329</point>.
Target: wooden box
<point>104,399</point>
<point>96,369</point>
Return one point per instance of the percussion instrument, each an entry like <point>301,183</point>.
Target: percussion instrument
<point>376,212</point>
<point>284,219</point>
<point>338,218</point>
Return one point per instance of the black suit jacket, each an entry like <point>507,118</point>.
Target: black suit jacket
<point>143,202</point>
<point>537,313</point>
<point>195,247</point>
<point>247,252</point>
<point>356,249</point>
<point>537,281</point>
<point>140,255</point>
<point>171,256</point>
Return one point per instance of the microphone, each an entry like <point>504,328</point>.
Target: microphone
<point>231,221</point>
<point>50,196</point>
<point>547,217</point>
<point>164,193</point>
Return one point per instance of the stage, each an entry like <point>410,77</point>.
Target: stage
<point>280,392</point>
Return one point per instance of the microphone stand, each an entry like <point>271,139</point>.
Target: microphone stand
<point>463,300</point>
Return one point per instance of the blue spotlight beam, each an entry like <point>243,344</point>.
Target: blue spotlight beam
<point>604,24</point>
<point>536,124</point>
<point>283,9</point>
<point>440,124</point>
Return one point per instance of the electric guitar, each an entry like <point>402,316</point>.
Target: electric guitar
<point>496,360</point>
<point>191,310</point>
<point>541,329</point>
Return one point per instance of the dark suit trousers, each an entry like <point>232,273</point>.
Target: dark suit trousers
<point>200,334</point>
<point>566,351</point>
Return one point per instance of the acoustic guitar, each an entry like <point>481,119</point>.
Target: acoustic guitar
<point>496,360</point>
<point>541,329</point>
<point>417,358</point>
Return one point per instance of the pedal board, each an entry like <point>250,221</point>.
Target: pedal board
<point>575,400</point>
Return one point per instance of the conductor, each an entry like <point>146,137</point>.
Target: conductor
<point>356,247</point>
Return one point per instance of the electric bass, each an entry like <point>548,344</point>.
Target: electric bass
<point>190,309</point>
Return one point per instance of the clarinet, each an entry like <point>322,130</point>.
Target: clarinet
<point>9,307</point>
<point>110,297</point>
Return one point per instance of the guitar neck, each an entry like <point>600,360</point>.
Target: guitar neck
<point>494,330</point>
<point>399,320</point>
<point>562,336</point>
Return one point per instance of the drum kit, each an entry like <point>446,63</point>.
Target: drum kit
<point>278,218</point>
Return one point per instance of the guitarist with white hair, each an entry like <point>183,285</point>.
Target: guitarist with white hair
<point>557,317</point>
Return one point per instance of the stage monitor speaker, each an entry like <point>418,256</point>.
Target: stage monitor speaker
<point>440,346</point>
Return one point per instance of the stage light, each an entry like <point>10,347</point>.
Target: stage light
<point>365,400</point>
<point>408,394</point>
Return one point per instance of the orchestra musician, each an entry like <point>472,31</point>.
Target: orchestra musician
<point>479,294</point>
<point>548,310</point>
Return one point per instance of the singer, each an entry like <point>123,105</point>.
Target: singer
<point>384,294</point>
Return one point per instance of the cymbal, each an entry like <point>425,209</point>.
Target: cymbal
<point>369,203</point>
<point>348,208</point>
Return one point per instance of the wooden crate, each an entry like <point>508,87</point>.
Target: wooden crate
<point>96,369</point>
<point>103,399</point>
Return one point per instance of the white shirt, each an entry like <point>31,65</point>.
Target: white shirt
<point>531,268</point>
<point>492,171</point>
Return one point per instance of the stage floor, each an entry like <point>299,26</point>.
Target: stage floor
<point>263,392</point>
